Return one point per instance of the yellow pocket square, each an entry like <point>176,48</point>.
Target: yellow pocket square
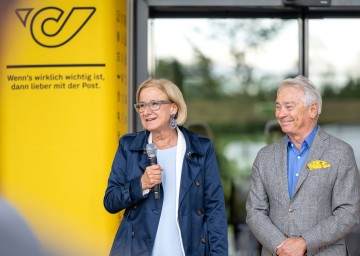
<point>318,164</point>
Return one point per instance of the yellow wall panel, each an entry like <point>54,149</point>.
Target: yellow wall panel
<point>63,105</point>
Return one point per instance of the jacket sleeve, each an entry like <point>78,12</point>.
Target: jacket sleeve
<point>257,208</point>
<point>215,206</point>
<point>122,192</point>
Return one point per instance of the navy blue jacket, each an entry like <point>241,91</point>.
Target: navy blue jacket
<point>201,213</point>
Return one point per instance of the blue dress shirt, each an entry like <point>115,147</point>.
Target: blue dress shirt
<point>296,159</point>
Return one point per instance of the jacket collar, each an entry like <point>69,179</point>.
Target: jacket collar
<point>317,150</point>
<point>140,141</point>
<point>318,147</point>
<point>193,143</point>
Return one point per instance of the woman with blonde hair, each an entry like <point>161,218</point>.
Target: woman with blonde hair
<point>174,206</point>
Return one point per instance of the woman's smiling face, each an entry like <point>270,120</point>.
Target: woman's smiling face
<point>155,120</point>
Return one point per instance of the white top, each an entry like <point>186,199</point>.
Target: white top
<point>167,240</point>
<point>180,152</point>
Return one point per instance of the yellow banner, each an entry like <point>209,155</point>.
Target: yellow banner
<point>63,105</point>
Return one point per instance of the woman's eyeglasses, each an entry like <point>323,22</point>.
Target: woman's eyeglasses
<point>153,105</point>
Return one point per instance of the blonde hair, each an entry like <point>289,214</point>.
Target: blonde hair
<point>172,92</point>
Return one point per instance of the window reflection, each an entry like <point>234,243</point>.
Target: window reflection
<point>334,66</point>
<point>228,71</point>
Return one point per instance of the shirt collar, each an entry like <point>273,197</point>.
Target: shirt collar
<point>308,140</point>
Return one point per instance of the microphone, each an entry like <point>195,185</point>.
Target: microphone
<point>151,152</point>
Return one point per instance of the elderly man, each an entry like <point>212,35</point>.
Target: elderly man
<point>304,196</point>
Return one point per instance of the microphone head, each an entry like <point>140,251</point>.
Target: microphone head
<point>151,149</point>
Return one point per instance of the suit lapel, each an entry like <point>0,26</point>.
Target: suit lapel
<point>144,162</point>
<point>281,167</point>
<point>317,149</point>
<point>189,167</point>
<point>139,145</point>
<point>190,172</point>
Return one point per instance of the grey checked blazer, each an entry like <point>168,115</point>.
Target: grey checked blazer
<point>326,201</point>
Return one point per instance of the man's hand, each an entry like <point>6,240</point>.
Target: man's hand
<point>292,247</point>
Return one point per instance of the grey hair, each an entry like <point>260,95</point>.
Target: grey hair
<point>311,92</point>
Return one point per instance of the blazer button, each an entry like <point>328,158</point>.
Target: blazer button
<point>133,233</point>
<point>197,183</point>
<point>203,240</point>
<point>199,212</point>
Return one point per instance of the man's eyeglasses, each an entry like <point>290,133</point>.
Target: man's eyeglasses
<point>153,105</point>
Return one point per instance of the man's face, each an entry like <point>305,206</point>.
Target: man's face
<point>294,118</point>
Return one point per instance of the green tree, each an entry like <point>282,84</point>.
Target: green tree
<point>351,89</point>
<point>170,69</point>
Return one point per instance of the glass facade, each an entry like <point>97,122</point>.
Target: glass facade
<point>334,60</point>
<point>229,70</point>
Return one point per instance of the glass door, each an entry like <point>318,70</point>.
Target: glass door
<point>229,70</point>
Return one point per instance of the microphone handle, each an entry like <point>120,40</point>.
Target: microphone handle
<point>156,188</point>
<point>153,160</point>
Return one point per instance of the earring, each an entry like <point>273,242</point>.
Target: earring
<point>173,124</point>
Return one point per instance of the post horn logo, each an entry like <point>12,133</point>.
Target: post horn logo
<point>50,27</point>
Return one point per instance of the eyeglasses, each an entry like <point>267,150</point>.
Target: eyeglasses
<point>153,105</point>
